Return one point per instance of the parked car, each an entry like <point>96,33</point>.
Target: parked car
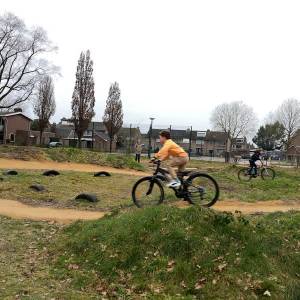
<point>54,144</point>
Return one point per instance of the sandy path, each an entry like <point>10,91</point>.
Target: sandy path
<point>18,210</point>
<point>65,166</point>
<point>251,208</point>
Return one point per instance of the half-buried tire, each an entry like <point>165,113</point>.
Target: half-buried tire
<point>37,187</point>
<point>51,173</point>
<point>102,174</point>
<point>88,197</point>
<point>10,172</point>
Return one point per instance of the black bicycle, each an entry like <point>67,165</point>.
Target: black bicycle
<point>196,188</point>
<point>266,173</point>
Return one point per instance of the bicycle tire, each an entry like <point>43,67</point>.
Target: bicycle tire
<point>242,172</point>
<point>272,172</point>
<point>213,181</point>
<point>151,180</point>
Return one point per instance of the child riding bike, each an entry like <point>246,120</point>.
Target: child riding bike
<point>253,159</point>
<point>175,157</point>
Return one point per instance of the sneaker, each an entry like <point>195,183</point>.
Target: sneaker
<point>174,184</point>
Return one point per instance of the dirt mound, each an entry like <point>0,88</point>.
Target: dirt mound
<point>49,165</point>
<point>22,153</point>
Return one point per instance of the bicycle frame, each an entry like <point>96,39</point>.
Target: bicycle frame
<point>161,174</point>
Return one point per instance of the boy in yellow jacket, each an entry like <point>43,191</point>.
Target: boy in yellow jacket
<point>175,155</point>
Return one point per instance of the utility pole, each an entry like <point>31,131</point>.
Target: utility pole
<point>129,150</point>
<point>190,142</point>
<point>93,133</point>
<point>150,137</point>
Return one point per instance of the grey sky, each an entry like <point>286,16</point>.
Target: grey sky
<point>174,60</point>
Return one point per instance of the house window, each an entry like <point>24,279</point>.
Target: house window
<point>199,142</point>
<point>12,137</point>
<point>201,133</point>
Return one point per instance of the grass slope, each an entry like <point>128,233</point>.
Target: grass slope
<point>168,253</point>
<point>70,155</point>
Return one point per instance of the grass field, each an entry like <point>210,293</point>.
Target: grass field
<point>161,253</point>
<point>115,191</point>
<point>167,253</point>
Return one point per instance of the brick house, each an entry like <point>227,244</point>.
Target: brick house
<point>187,139</point>
<point>293,151</point>
<point>11,123</point>
<point>201,143</point>
<point>95,137</point>
<point>127,137</point>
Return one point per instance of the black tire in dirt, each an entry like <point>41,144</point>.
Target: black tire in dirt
<point>267,174</point>
<point>51,173</point>
<point>102,174</point>
<point>244,175</point>
<point>147,191</point>
<point>203,190</point>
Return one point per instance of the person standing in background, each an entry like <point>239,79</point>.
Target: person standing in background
<point>138,151</point>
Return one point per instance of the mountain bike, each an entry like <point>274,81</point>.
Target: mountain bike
<point>266,173</point>
<point>196,188</point>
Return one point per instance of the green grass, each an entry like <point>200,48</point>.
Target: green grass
<point>168,253</point>
<point>115,191</point>
<point>112,192</point>
<point>25,272</point>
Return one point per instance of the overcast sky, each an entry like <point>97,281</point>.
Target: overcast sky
<point>174,60</point>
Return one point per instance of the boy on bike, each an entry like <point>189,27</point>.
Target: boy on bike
<point>253,159</point>
<point>174,155</point>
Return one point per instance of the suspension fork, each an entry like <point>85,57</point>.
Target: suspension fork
<point>151,185</point>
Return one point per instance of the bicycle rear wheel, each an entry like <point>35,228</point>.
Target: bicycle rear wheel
<point>147,191</point>
<point>244,175</point>
<point>202,190</point>
<point>267,174</point>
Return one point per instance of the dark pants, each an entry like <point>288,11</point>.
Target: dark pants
<point>253,167</point>
<point>138,157</point>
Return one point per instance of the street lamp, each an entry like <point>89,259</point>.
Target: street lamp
<point>190,131</point>
<point>150,136</point>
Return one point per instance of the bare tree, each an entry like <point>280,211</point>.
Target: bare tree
<point>83,99</point>
<point>44,106</point>
<point>21,64</point>
<point>288,114</point>
<point>113,114</point>
<point>236,119</point>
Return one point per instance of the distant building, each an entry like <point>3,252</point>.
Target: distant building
<point>127,137</point>
<point>201,143</point>
<point>11,123</point>
<point>293,151</point>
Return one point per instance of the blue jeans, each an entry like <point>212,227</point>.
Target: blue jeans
<point>253,167</point>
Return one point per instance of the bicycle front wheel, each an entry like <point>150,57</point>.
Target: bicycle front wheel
<point>202,190</point>
<point>244,175</point>
<point>267,174</point>
<point>147,191</point>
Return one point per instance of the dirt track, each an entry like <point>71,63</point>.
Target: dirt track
<point>251,208</point>
<point>49,165</point>
<point>16,209</point>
